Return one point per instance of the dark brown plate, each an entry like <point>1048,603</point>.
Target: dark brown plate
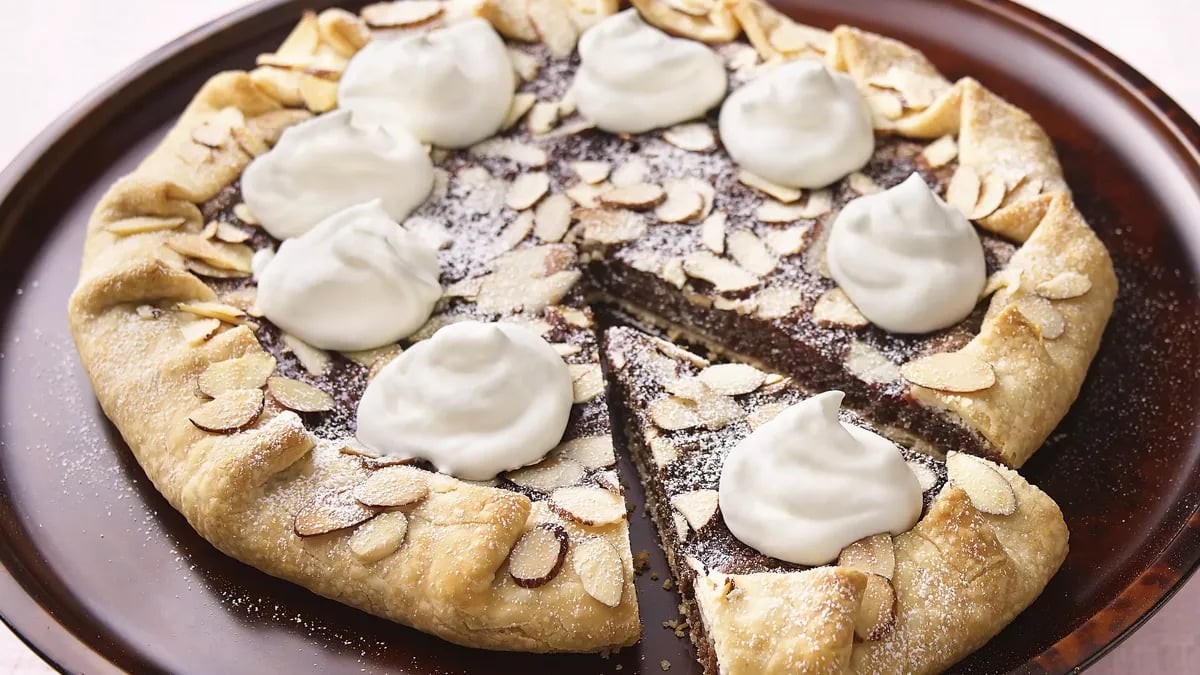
<point>101,575</point>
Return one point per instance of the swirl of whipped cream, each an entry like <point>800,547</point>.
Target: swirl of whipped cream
<point>355,281</point>
<point>910,262</point>
<point>451,87</point>
<point>804,486</point>
<point>475,399</point>
<point>633,77</point>
<point>800,124</point>
<point>324,165</point>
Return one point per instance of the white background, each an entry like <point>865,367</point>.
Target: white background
<point>52,52</point>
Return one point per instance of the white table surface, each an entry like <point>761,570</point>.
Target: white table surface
<point>55,51</point>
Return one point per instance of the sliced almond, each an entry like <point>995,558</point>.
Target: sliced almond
<point>393,486</point>
<point>542,118</point>
<point>590,506</point>
<point>538,555</point>
<point>940,152</point>
<point>333,512</point>
<point>876,615</point>
<point>594,452</point>
<point>874,554</point>
<point>245,372</point>
<point>750,252</point>
<point>672,272</point>
<point>587,380</point>
<point>819,203</point>
<point>835,308</point>
<point>698,506</point>
<point>591,173</point>
<point>140,224</point>
<point>199,331</point>
<point>681,205</point>
<point>234,257</point>
<point>209,231</point>
<point>963,191</point>
<point>716,411</point>
<point>1064,286</point>
<point>552,218</point>
<point>231,234</point>
<point>712,232</point>
<point>630,173</point>
<point>782,193</point>
<point>673,413</point>
<point>863,184</point>
<point>692,184</point>
<point>576,317</point>
<point>693,137</point>
<point>527,190</point>
<point>775,303</point>
<point>509,17</point>
<point>950,371</point>
<point>316,361</point>
<point>229,412</point>
<point>718,26</point>
<point>320,95</point>
<point>379,537</point>
<point>522,103</point>
<point>215,310</point>
<point>525,64</point>
<point>639,196</point>
<point>991,193</point>
<point>787,242</point>
<point>552,22</point>
<point>515,232</point>
<point>505,148</point>
<point>681,525</point>
<point>343,31</point>
<point>600,569</point>
<point>772,211</point>
<point>1042,313</point>
<point>402,14</point>
<point>243,213</point>
<point>732,379</point>
<point>607,226</point>
<point>722,274</point>
<point>988,490</point>
<point>885,106</point>
<point>298,396</point>
<point>548,475</point>
<point>586,195</point>
<point>204,269</point>
<point>926,476</point>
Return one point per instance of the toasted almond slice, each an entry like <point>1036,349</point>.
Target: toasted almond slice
<point>718,26</point>
<point>231,234</point>
<point>835,308</point>
<point>991,193</point>
<point>698,506</point>
<point>229,412</point>
<point>509,17</point>
<point>576,317</point>
<point>1064,286</point>
<point>371,357</point>
<point>315,361</point>
<point>590,506</point>
<point>607,226</point>
<point>591,173</point>
<point>712,232</point>
<point>732,379</point>
<point>521,104</point>
<point>988,490</point>
<point>567,105</point>
<point>963,191</point>
<point>393,486</point>
<point>379,537</point>
<point>717,411</point>
<point>552,22</point>
<point>594,452</point>
<point>790,38</point>
<point>663,451</point>
<point>542,118</point>
<point>940,152</point>
<point>140,224</point>
<point>505,148</point>
<point>630,173</point>
<point>725,276</point>
<point>788,242</point>
<point>885,106</point>
<point>198,332</point>
<point>782,193</point>
<point>525,64</point>
<point>697,185</point>
<point>876,615</point>
<point>950,371</point>
<point>600,569</point>
<point>319,94</point>
<point>515,232</point>
<point>682,204</point>
<point>538,555</point>
<point>672,272</point>
<point>609,480</point>
<point>243,213</point>
<point>588,381</point>
<point>874,554</point>
<point>639,196</point>
<point>343,31</point>
<point>210,230</point>
<point>772,211</point>
<point>552,218</point>
<point>749,252</point>
<point>214,310</point>
<point>693,137</point>
<point>819,203</point>
<point>565,349</point>
<point>548,475</point>
<point>298,396</point>
<point>863,184</point>
<point>235,257</point>
<point>681,525</point>
<point>527,190</point>
<point>775,303</point>
<point>1042,313</point>
<point>333,512</point>
<point>245,372</point>
<point>926,476</point>
<point>673,413</point>
<point>587,196</point>
<point>402,14</point>
<point>691,7</point>
<point>571,129</point>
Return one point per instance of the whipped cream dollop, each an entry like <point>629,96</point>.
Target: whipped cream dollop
<point>355,281</point>
<point>800,124</point>
<point>805,485</point>
<point>326,164</point>
<point>910,262</point>
<point>475,399</point>
<point>633,77</point>
<point>450,87</point>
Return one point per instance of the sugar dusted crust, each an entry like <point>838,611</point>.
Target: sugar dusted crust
<point>243,491</point>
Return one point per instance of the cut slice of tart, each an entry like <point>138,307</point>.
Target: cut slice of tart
<point>984,547</point>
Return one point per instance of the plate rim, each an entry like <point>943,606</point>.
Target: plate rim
<point>1180,556</point>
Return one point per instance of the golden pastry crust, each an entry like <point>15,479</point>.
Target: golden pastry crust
<point>976,569</point>
<point>243,491</point>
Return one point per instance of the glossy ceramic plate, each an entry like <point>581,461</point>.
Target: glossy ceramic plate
<point>101,575</point>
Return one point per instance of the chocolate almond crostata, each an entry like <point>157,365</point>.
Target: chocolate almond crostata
<point>342,316</point>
